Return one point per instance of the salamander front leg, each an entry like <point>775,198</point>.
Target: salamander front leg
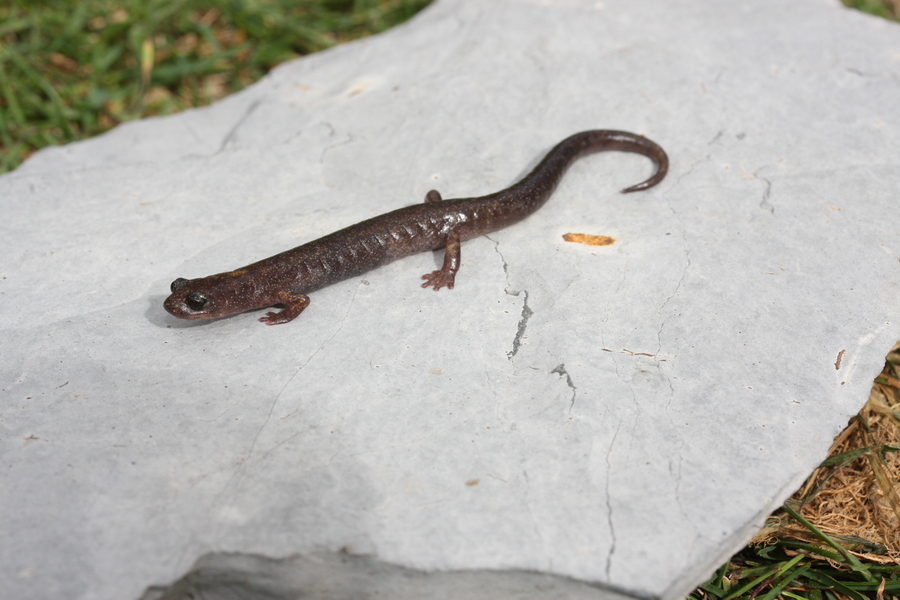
<point>293,306</point>
<point>447,273</point>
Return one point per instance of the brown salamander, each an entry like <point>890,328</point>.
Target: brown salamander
<point>285,279</point>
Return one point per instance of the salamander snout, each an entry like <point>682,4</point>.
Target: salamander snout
<point>186,303</point>
<point>214,297</point>
<point>194,300</point>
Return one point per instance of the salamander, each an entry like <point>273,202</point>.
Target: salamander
<point>286,278</point>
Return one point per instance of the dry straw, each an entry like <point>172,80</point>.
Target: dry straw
<point>854,496</point>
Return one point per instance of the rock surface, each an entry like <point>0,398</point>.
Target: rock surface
<point>337,576</point>
<point>624,415</point>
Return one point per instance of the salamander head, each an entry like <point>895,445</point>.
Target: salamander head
<point>206,298</point>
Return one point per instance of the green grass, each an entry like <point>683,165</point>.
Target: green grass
<point>787,570</point>
<point>887,9</point>
<point>799,570</point>
<point>70,69</point>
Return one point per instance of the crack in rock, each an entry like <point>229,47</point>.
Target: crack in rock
<point>765,204</point>
<point>687,266</point>
<point>232,133</point>
<point>523,323</point>
<point>526,310</point>
<point>609,508</point>
<point>503,261</point>
<point>561,370</point>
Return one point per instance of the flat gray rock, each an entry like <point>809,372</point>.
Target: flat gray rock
<point>336,576</point>
<point>624,415</point>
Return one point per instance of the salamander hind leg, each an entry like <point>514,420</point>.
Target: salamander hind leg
<point>446,275</point>
<point>293,306</point>
<point>433,196</point>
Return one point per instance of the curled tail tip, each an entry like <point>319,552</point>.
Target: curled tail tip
<point>635,188</point>
<point>646,184</point>
<point>661,171</point>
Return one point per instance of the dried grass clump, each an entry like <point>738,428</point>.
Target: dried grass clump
<point>854,496</point>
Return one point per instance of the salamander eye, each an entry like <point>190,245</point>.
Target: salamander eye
<point>178,284</point>
<point>196,300</point>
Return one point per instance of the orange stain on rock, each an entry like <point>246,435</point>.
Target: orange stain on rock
<point>590,240</point>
